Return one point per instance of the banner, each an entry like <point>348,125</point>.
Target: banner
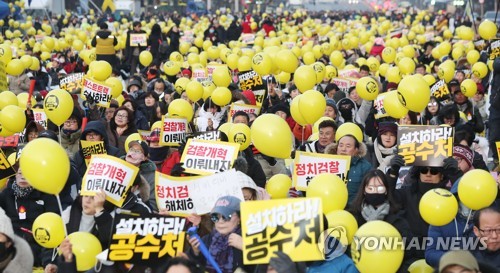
<point>289,225</point>
<point>10,141</point>
<point>344,84</point>
<point>494,50</point>
<point>40,117</point>
<point>172,193</point>
<point>260,95</point>
<point>111,174</point>
<point>209,135</point>
<point>208,157</point>
<point>247,108</point>
<point>138,39</point>
<point>3,77</point>
<point>440,90</point>
<point>349,73</point>
<point>98,91</point>
<point>378,104</point>
<point>90,148</point>
<point>146,239</point>
<point>425,145</point>
<point>173,131</point>
<point>250,80</point>
<point>6,169</point>
<point>308,165</point>
<point>72,82</point>
<point>200,74</point>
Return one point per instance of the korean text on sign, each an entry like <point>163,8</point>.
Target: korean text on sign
<point>90,148</point>
<point>138,39</point>
<point>173,131</point>
<point>425,145</point>
<point>250,80</point>
<point>113,175</point>
<point>72,82</point>
<point>99,92</point>
<point>247,108</point>
<point>289,225</point>
<point>40,117</point>
<point>208,157</point>
<point>308,165</point>
<point>172,193</point>
<point>440,91</point>
<point>146,239</point>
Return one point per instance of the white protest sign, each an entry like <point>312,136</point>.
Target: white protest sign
<point>98,91</point>
<point>173,131</point>
<point>308,165</point>
<point>208,157</point>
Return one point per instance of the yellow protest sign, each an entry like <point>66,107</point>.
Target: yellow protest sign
<point>72,82</point>
<point>498,148</point>
<point>308,165</point>
<point>6,169</point>
<point>172,193</point>
<point>90,148</point>
<point>111,174</point>
<point>293,226</point>
<point>208,157</point>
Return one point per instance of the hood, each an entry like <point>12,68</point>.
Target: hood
<point>23,260</point>
<point>98,127</point>
<point>332,149</point>
<point>104,34</point>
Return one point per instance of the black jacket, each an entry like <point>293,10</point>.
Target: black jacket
<point>255,170</point>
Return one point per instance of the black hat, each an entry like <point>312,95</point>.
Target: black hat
<point>48,134</point>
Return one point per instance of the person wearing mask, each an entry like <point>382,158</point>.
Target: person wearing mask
<point>15,252</point>
<point>350,146</point>
<point>381,151</point>
<point>104,43</point>
<point>135,91</point>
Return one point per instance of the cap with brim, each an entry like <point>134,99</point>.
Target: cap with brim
<point>144,146</point>
<point>226,206</point>
<point>458,257</point>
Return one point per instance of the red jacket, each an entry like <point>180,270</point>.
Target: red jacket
<point>246,27</point>
<point>169,162</point>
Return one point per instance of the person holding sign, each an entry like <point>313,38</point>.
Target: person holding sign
<point>136,43</point>
<point>471,112</point>
<point>224,243</point>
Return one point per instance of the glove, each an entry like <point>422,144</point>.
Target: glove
<point>182,145</point>
<point>282,263</point>
<point>450,166</point>
<point>396,163</point>
<point>177,170</point>
<point>271,160</point>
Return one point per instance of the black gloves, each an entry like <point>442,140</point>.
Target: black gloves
<point>271,160</point>
<point>283,264</point>
<point>450,166</point>
<point>396,163</point>
<point>177,170</point>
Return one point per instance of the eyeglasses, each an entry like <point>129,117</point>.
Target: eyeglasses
<point>378,189</point>
<point>70,122</point>
<point>488,232</point>
<point>217,217</point>
<point>93,135</point>
<point>135,151</point>
<point>434,103</point>
<point>121,116</point>
<point>433,170</point>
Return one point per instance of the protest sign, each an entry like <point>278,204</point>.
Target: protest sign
<point>9,141</point>
<point>250,80</point>
<point>440,90</point>
<point>6,169</point>
<point>425,145</point>
<point>378,104</point>
<point>40,117</point>
<point>260,95</point>
<point>90,148</point>
<point>209,135</point>
<point>498,148</point>
<point>146,239</point>
<point>172,193</point>
<point>308,165</point>
<point>247,38</point>
<point>3,77</point>
<point>113,175</point>
<point>173,131</point>
<point>138,39</point>
<point>494,50</point>
<point>208,157</point>
<point>349,73</point>
<point>292,226</point>
<point>72,82</point>
<point>344,84</point>
<point>247,108</point>
<point>100,92</point>
<point>200,74</point>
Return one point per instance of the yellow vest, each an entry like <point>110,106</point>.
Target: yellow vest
<point>105,46</point>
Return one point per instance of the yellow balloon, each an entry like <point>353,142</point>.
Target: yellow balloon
<point>414,93</point>
<point>101,70</point>
<point>48,230</point>
<point>446,71</point>
<point>468,87</point>
<point>5,53</point>
<point>406,65</point>
<point>85,246</point>
<point>221,76</point>
<point>240,133</point>
<point>344,219</point>
<point>221,96</point>
<point>15,67</point>
<point>308,58</point>
<point>480,70</point>
<point>295,111</point>
<point>312,105</point>
<point>116,86</point>
<point>244,63</point>
<point>232,61</point>
<point>349,128</point>
<point>393,74</point>
<point>429,79</point>
<point>181,108</point>
<point>43,160</point>
<point>457,53</point>
<point>283,77</point>
<point>181,84</point>
<point>130,138</point>
<point>331,189</point>
<point>420,266</point>
<point>7,98</point>
<point>27,61</point>
<point>275,140</point>
<point>336,58</point>
<point>12,118</point>
<point>194,90</point>
<point>286,61</point>
<point>22,100</point>
<point>389,55</point>
<point>145,58</point>
<point>304,78</point>
<point>487,30</point>
<point>392,106</point>
<point>331,72</point>
<point>320,70</point>
<point>58,106</point>
<point>373,63</point>
<point>365,254</point>
<point>278,186</point>
<point>78,45</point>
<point>438,207</point>
<point>262,63</point>
<point>477,189</point>
<point>171,68</point>
<point>367,88</point>
<point>473,56</point>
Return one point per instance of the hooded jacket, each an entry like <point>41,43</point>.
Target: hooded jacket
<point>22,262</point>
<point>98,127</point>
<point>147,169</point>
<point>358,168</point>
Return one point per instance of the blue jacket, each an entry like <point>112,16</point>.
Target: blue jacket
<point>341,264</point>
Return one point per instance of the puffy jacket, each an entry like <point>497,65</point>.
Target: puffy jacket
<point>71,143</point>
<point>104,43</point>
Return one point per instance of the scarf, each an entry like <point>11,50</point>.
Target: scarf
<point>370,213</point>
<point>222,252</point>
<point>21,192</point>
<point>383,155</point>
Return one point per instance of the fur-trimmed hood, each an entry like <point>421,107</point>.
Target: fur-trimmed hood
<point>23,260</point>
<point>332,149</point>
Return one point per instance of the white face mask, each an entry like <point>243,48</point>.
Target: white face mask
<point>134,159</point>
<point>61,60</point>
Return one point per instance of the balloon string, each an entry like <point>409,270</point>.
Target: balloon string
<point>467,222</point>
<point>303,132</point>
<point>61,210</point>
<point>59,137</point>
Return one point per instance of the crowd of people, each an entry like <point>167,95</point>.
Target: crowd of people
<point>374,192</point>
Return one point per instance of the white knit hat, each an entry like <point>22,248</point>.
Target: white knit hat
<point>6,225</point>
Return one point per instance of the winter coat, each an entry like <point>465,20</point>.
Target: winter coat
<point>71,143</point>
<point>147,170</point>
<point>474,118</point>
<point>341,264</point>
<point>96,126</point>
<point>358,168</point>
<point>19,84</point>
<point>119,141</point>
<point>379,163</point>
<point>22,262</point>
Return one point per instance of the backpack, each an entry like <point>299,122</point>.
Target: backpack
<point>162,47</point>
